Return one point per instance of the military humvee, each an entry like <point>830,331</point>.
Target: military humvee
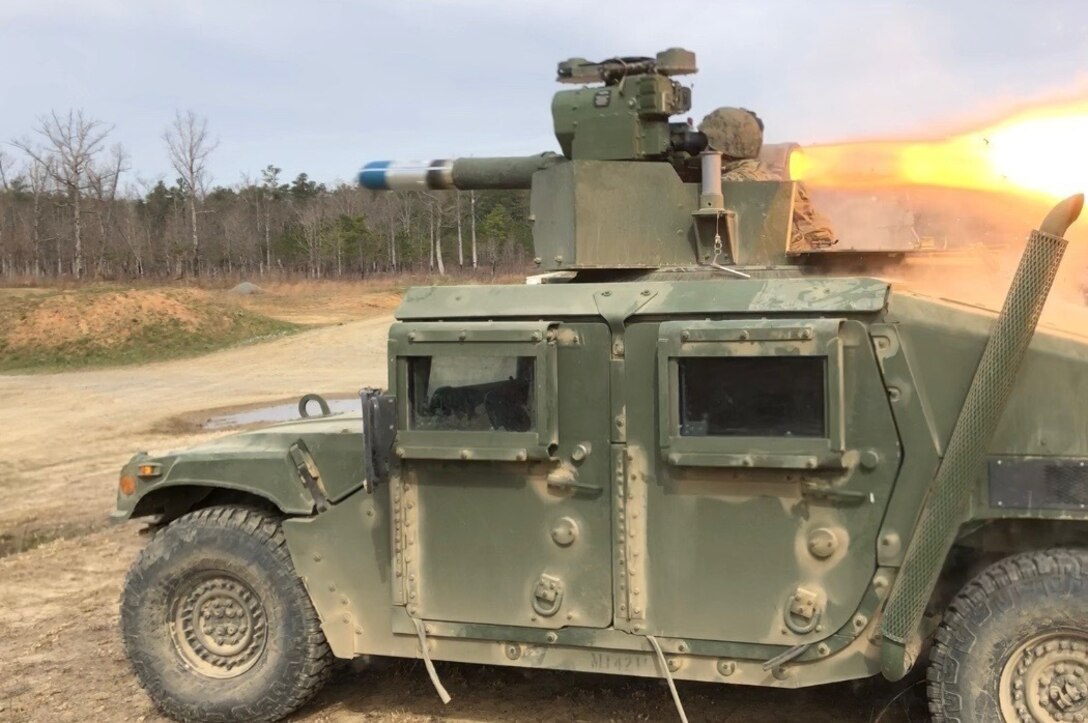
<point>687,455</point>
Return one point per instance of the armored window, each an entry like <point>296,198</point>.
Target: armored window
<point>752,396</point>
<point>751,393</point>
<point>472,393</point>
<point>475,390</point>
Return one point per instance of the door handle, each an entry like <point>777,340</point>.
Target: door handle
<point>577,486</point>
<point>565,476</point>
<point>819,491</point>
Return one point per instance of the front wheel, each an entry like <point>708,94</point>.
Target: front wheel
<point>216,622</point>
<point>1013,645</point>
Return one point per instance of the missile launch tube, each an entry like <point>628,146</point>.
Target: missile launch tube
<point>461,173</point>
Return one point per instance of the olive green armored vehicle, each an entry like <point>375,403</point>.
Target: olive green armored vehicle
<point>687,453</point>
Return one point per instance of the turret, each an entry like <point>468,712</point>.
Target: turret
<point>630,188</point>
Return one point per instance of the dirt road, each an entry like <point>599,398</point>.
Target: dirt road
<point>64,436</point>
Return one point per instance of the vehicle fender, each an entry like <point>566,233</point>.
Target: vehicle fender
<point>188,477</point>
<point>259,463</point>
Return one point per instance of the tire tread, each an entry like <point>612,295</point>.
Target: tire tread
<point>311,661</point>
<point>974,602</point>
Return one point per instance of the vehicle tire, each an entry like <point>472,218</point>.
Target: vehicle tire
<point>217,623</point>
<point>1013,644</point>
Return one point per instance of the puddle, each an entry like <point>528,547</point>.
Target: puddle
<point>280,412</point>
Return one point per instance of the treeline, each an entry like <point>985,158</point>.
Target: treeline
<point>71,208</point>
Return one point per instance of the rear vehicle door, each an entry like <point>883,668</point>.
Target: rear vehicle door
<point>762,453</point>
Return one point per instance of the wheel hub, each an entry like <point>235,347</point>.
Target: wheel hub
<point>219,626</point>
<point>1046,679</point>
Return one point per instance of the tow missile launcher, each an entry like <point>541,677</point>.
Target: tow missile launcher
<point>630,190</point>
<point>625,193</point>
<point>701,457</point>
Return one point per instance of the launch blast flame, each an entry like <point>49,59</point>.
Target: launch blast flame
<point>1041,152</point>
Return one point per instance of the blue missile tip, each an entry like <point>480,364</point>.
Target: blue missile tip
<point>372,175</point>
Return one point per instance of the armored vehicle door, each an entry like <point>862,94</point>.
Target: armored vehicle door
<point>501,512</point>
<point>761,456</point>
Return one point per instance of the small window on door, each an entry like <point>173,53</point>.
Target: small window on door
<point>764,396</point>
<point>472,393</point>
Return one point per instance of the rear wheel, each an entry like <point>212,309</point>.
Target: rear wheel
<point>1013,645</point>
<point>216,622</point>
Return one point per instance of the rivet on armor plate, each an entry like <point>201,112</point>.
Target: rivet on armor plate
<point>564,531</point>
<point>513,651</point>
<point>890,544</point>
<point>870,459</point>
<point>727,667</point>
<point>822,543</point>
<point>580,452</point>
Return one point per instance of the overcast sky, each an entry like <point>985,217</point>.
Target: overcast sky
<point>322,86</point>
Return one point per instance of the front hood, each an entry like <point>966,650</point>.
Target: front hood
<point>258,462</point>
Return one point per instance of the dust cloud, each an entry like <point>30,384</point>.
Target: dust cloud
<point>957,244</point>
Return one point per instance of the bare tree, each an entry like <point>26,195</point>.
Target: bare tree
<point>7,263</point>
<point>460,244</point>
<point>136,238</point>
<point>71,145</point>
<point>312,219</point>
<point>472,205</point>
<point>270,183</point>
<point>437,246</point>
<point>39,176</point>
<point>189,146</point>
<point>105,180</point>
<point>436,211</point>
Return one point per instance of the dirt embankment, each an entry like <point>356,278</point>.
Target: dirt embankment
<point>97,326</point>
